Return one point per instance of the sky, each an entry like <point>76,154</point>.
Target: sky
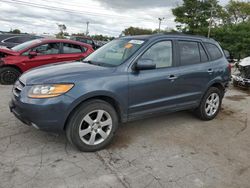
<point>107,17</point>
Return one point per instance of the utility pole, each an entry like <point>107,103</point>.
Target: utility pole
<point>87,29</point>
<point>210,21</point>
<point>160,20</point>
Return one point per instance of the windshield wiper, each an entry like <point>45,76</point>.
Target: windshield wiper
<point>98,63</point>
<point>89,62</point>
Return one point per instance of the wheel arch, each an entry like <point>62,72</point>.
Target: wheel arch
<point>107,98</point>
<point>12,66</point>
<point>218,85</point>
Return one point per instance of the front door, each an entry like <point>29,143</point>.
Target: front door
<point>45,54</point>
<point>153,90</point>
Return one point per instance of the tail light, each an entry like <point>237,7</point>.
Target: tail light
<point>229,67</point>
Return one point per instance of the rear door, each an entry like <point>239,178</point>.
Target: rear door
<point>194,72</point>
<point>71,52</point>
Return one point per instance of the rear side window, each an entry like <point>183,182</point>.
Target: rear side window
<point>189,52</point>
<point>213,51</point>
<point>71,48</point>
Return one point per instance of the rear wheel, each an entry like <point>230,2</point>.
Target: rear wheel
<point>210,104</point>
<point>92,125</point>
<point>8,75</point>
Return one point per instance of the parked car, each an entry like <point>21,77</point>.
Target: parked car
<point>15,61</point>
<point>86,40</point>
<point>127,79</point>
<point>242,78</point>
<point>11,40</point>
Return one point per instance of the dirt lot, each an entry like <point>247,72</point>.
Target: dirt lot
<point>175,150</point>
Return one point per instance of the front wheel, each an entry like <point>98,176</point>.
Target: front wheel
<point>92,126</point>
<point>8,75</point>
<point>210,104</point>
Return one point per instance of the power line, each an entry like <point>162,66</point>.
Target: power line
<point>36,5</point>
<point>74,5</point>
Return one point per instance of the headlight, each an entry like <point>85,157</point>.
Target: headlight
<point>50,90</point>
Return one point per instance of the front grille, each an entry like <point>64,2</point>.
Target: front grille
<point>18,87</point>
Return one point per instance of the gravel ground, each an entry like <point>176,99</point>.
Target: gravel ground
<point>174,150</point>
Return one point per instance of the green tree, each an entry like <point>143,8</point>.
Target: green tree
<point>102,37</point>
<point>62,29</point>
<point>235,38</point>
<point>138,31</point>
<point>238,11</point>
<point>196,14</point>
<point>15,31</point>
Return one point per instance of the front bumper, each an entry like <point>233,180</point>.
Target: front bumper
<point>45,114</point>
<point>240,81</point>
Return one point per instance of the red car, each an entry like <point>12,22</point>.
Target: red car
<point>31,54</point>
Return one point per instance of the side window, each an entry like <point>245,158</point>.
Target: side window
<point>203,54</point>
<point>47,49</point>
<point>160,53</point>
<point>213,51</point>
<point>189,52</point>
<point>71,48</point>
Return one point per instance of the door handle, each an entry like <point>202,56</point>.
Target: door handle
<point>210,70</point>
<point>172,77</point>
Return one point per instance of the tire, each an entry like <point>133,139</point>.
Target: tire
<point>85,121</point>
<point>213,108</point>
<point>8,75</point>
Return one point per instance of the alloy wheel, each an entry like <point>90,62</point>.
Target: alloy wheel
<point>95,127</point>
<point>212,104</point>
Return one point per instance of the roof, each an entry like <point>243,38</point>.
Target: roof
<point>64,40</point>
<point>170,35</point>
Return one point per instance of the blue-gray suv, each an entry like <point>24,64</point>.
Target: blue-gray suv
<point>128,78</point>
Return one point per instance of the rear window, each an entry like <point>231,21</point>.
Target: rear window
<point>213,51</point>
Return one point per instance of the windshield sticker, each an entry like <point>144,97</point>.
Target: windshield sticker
<point>129,45</point>
<point>136,42</point>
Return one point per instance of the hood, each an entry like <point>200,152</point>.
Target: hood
<point>69,72</point>
<point>245,62</point>
<point>7,51</point>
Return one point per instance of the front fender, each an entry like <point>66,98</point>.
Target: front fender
<point>99,94</point>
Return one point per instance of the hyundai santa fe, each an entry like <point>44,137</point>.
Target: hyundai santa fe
<point>127,79</point>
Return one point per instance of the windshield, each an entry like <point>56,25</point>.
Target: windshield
<point>25,45</point>
<point>115,52</point>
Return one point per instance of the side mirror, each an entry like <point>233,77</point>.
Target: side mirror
<point>145,64</point>
<point>32,54</point>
